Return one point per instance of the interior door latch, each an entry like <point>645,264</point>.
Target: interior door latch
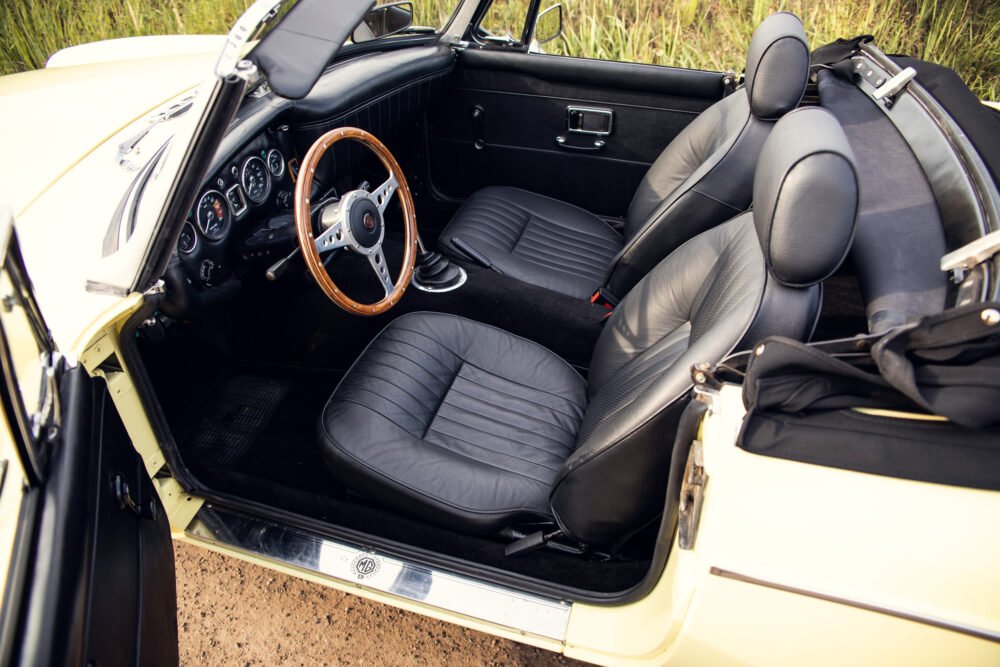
<point>589,120</point>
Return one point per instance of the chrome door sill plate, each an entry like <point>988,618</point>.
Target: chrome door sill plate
<point>377,571</point>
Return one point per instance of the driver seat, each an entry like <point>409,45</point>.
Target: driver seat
<point>473,428</point>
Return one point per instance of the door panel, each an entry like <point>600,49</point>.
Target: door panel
<point>102,586</point>
<point>500,119</point>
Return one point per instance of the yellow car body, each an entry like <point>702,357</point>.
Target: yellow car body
<point>792,563</point>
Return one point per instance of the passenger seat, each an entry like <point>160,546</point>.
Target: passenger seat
<point>703,178</point>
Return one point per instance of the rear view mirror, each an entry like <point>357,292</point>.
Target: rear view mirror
<point>384,20</point>
<point>549,24</point>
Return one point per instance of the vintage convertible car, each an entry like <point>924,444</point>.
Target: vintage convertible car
<point>638,364</point>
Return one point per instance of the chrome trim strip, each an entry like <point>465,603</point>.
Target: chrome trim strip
<point>972,631</point>
<point>119,232</point>
<point>378,571</point>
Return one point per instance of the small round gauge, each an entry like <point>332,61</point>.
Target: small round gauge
<point>188,240</point>
<point>213,215</point>
<point>256,180</point>
<point>276,163</point>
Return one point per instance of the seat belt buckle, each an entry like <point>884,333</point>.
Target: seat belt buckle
<point>602,297</point>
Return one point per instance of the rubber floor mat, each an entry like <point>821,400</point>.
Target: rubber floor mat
<point>234,415</point>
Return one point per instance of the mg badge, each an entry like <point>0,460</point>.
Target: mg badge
<point>366,566</point>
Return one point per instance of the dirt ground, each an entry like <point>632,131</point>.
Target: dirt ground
<point>234,613</point>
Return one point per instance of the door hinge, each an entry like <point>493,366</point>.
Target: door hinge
<point>96,287</point>
<point>692,496</point>
<point>146,510</point>
<point>156,289</point>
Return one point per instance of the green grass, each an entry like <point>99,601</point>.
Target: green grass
<point>707,34</point>
<point>961,34</point>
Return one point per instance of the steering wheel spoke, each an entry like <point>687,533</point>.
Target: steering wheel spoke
<point>377,261</point>
<point>332,238</point>
<point>383,193</point>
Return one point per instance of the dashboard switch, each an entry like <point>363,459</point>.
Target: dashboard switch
<point>206,271</point>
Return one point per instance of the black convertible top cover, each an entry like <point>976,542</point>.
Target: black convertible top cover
<point>831,405</point>
<point>979,122</point>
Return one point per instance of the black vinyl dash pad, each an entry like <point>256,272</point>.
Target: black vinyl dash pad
<point>236,411</point>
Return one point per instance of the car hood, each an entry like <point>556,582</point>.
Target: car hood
<point>62,113</point>
<point>63,176</point>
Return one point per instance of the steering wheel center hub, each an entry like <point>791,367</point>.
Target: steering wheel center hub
<point>365,222</point>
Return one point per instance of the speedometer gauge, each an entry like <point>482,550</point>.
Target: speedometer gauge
<point>276,163</point>
<point>256,180</point>
<point>214,215</point>
<point>188,240</point>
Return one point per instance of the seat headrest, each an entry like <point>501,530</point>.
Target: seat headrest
<point>805,197</point>
<point>777,66</point>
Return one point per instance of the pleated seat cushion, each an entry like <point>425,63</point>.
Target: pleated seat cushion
<point>536,239</point>
<point>458,422</point>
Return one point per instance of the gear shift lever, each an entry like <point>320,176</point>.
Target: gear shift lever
<point>436,273</point>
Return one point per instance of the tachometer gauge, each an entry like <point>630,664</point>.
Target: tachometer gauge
<point>188,240</point>
<point>256,180</point>
<point>276,163</point>
<point>214,215</point>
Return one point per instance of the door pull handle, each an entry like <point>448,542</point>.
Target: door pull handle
<point>597,144</point>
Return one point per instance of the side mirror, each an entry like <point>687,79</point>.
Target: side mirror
<point>549,24</point>
<point>384,20</point>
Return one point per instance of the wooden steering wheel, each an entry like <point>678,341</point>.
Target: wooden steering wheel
<point>356,222</point>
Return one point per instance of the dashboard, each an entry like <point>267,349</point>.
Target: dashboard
<point>242,212</point>
<point>242,220</point>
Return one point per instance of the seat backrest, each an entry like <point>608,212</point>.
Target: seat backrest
<point>757,275</point>
<point>705,175</point>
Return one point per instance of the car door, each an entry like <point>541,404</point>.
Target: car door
<point>86,543</point>
<point>581,130</point>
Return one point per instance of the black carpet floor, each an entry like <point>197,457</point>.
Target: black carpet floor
<point>263,419</point>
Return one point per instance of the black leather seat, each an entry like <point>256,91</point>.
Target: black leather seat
<point>473,420</point>
<point>701,179</point>
<point>471,427</point>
